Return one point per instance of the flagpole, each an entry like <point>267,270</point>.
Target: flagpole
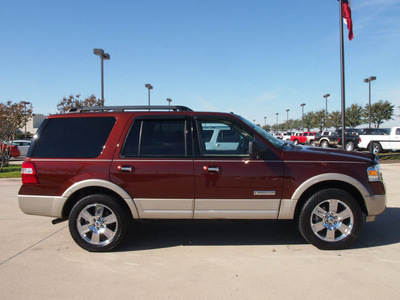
<point>342,76</point>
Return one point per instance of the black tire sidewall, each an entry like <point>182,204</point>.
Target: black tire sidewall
<point>305,215</point>
<point>112,204</point>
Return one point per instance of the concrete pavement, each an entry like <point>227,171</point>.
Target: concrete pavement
<point>197,260</point>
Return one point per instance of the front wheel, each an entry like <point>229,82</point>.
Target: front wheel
<point>331,219</point>
<point>97,223</point>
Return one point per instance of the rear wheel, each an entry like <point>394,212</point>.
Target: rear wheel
<point>330,219</point>
<point>376,148</point>
<point>350,146</point>
<point>296,142</point>
<point>97,223</point>
<point>324,144</point>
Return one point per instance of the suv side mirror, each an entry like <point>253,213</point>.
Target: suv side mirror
<point>254,151</point>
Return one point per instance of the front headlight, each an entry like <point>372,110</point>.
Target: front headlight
<point>374,173</point>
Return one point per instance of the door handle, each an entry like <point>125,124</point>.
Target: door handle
<point>212,169</point>
<point>126,169</point>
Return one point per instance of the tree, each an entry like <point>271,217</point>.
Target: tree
<point>380,112</point>
<point>12,117</point>
<point>74,101</point>
<point>308,120</point>
<point>335,119</point>
<point>319,119</point>
<point>354,115</point>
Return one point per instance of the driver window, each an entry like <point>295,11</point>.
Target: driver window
<point>223,138</point>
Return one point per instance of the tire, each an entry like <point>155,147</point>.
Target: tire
<point>312,143</point>
<point>296,142</point>
<point>376,148</point>
<point>98,223</point>
<point>331,219</point>
<point>324,144</point>
<point>349,146</point>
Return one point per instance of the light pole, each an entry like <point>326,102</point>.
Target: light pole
<point>103,56</point>
<point>287,118</point>
<point>302,114</point>
<point>265,121</point>
<point>277,114</point>
<point>369,79</point>
<point>326,110</point>
<point>169,101</point>
<point>25,104</point>
<point>149,87</point>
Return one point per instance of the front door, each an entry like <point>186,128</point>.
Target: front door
<point>230,184</point>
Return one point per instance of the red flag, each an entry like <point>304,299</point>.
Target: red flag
<point>347,17</point>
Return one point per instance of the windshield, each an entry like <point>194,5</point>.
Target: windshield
<point>269,137</point>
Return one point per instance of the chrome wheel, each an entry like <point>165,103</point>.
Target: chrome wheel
<point>332,220</point>
<point>324,144</point>
<point>97,224</point>
<point>350,146</point>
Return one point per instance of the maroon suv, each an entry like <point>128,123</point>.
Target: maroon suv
<point>104,167</point>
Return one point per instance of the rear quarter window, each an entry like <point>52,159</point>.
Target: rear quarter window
<point>72,137</point>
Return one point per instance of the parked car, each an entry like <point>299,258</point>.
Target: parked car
<point>12,150</point>
<point>102,167</point>
<point>375,131</point>
<point>286,136</point>
<point>381,142</point>
<point>334,139</point>
<point>23,146</point>
<point>298,138</point>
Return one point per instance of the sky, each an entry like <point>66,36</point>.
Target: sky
<point>255,58</point>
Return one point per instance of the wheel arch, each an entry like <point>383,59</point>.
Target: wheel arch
<point>291,207</point>
<point>96,186</point>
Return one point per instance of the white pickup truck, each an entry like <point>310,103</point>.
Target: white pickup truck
<point>378,143</point>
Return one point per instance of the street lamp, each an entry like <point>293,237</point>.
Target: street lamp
<point>149,87</point>
<point>369,79</point>
<point>265,121</point>
<point>169,101</point>
<point>103,56</point>
<point>287,114</point>
<point>25,104</point>
<point>326,110</point>
<point>302,114</point>
<point>277,114</point>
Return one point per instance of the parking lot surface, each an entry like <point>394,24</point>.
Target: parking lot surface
<point>197,260</point>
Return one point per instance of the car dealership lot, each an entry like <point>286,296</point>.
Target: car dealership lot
<point>200,260</point>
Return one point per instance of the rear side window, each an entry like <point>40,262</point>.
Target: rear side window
<point>72,137</point>
<point>156,138</point>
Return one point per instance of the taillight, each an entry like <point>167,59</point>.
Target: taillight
<point>28,173</point>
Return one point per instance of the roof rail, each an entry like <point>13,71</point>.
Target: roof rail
<point>128,108</point>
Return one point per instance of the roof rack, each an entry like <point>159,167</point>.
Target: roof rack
<point>128,108</point>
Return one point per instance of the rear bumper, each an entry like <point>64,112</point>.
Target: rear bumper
<point>49,206</point>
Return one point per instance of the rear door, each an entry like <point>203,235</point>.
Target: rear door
<point>230,184</point>
<point>155,166</point>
